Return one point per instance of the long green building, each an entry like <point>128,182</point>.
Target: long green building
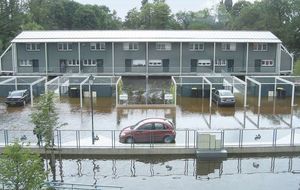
<point>146,53</point>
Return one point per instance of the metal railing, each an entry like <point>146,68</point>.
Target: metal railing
<point>187,139</point>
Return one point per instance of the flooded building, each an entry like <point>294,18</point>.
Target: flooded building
<point>146,53</point>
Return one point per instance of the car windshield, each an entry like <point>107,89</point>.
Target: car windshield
<point>16,93</point>
<point>225,93</point>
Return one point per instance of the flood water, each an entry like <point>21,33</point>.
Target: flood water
<point>189,113</point>
<point>259,173</point>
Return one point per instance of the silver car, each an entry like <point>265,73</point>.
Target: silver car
<point>223,98</point>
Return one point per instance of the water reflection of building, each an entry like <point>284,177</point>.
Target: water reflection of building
<point>124,112</point>
<point>165,166</point>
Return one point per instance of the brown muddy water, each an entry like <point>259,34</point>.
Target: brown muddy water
<point>189,113</point>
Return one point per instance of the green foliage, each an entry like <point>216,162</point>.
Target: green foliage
<point>297,68</point>
<point>45,118</point>
<point>21,169</point>
<point>173,91</point>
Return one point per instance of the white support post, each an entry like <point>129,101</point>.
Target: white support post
<point>46,59</point>
<point>147,59</point>
<point>245,91</point>
<point>31,95</point>
<point>113,57</point>
<point>259,95</point>
<point>214,63</point>
<point>79,57</point>
<point>278,59</point>
<point>293,96</point>
<point>180,60</point>
<point>80,88</point>
<point>247,59</point>
<point>16,83</point>
<point>275,87</point>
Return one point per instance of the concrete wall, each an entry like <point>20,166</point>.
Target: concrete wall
<point>286,61</point>
<point>6,61</point>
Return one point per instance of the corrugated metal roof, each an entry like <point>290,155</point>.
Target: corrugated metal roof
<point>145,36</point>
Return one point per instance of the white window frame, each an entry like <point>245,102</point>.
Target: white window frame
<point>33,47</point>
<point>89,62</point>
<point>73,62</point>
<point>221,63</point>
<point>65,46</point>
<point>131,46</point>
<point>229,46</point>
<point>138,63</point>
<point>267,63</point>
<point>204,62</point>
<point>163,46</point>
<point>25,63</point>
<point>260,47</point>
<point>155,63</point>
<point>97,46</point>
<point>196,46</point>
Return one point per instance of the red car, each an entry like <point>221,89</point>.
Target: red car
<point>149,130</point>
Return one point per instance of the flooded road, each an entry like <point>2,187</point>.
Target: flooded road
<point>190,113</point>
<point>274,173</point>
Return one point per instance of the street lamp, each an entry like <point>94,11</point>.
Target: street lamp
<point>91,81</point>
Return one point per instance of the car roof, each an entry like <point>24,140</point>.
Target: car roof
<point>147,120</point>
<point>19,90</point>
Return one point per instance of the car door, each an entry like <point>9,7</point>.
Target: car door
<point>159,132</point>
<point>144,133</point>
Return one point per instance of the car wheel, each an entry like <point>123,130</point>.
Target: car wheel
<point>130,140</point>
<point>168,139</point>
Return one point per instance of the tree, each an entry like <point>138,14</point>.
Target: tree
<point>21,169</point>
<point>45,118</point>
<point>133,19</point>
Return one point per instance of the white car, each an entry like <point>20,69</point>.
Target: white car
<point>223,97</point>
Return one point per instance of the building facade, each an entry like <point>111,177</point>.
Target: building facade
<point>143,52</point>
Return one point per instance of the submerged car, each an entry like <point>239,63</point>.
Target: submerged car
<point>223,98</point>
<point>18,98</point>
<point>150,130</point>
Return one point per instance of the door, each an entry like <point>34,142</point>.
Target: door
<point>194,65</point>
<point>100,66</point>
<point>159,132</point>
<point>230,65</point>
<point>144,133</point>
<point>165,64</point>
<point>128,65</point>
<point>257,65</point>
<point>62,65</point>
<point>35,65</point>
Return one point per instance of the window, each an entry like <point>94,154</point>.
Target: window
<point>159,126</point>
<point>64,46</point>
<point>204,62</point>
<point>131,46</point>
<point>25,63</point>
<point>73,62</point>
<point>163,46</point>
<point>260,47</point>
<point>33,47</point>
<point>267,63</point>
<point>97,46</point>
<point>220,62</point>
<point>138,62</point>
<point>155,63</point>
<point>228,46</point>
<point>196,46</point>
<point>147,126</point>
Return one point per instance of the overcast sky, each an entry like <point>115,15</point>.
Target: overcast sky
<point>123,6</point>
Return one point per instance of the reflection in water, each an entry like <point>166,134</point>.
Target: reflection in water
<point>202,170</point>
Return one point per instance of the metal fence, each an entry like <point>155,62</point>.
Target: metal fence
<point>184,138</point>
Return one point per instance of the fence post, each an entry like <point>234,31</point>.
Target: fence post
<point>292,140</point>
<point>5,137</point>
<point>241,138</point>
<point>274,137</point>
<point>222,139</point>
